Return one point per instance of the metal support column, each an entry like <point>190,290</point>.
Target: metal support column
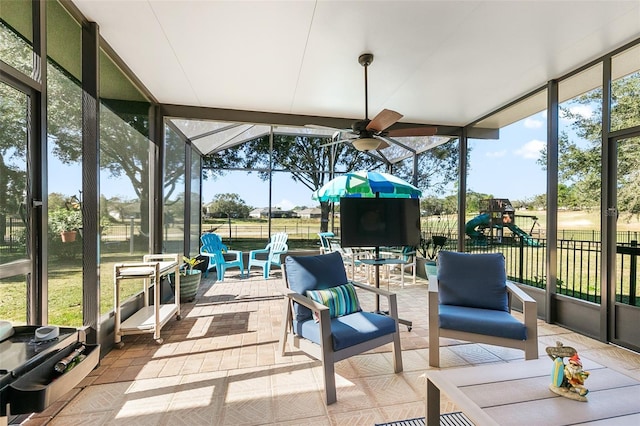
<point>90,180</point>
<point>552,200</point>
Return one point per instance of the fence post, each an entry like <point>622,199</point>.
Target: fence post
<point>521,265</point>
<point>131,246</point>
<point>632,277</point>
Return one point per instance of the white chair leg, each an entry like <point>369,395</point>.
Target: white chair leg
<point>397,354</point>
<point>285,325</point>
<point>329,378</point>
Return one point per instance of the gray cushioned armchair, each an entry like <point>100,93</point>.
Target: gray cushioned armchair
<point>331,339</point>
<point>470,299</point>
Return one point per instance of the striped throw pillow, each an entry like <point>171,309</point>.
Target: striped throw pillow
<point>340,300</point>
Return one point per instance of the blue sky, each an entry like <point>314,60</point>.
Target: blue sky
<point>508,168</point>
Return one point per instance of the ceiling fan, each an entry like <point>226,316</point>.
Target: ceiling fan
<point>368,135</point>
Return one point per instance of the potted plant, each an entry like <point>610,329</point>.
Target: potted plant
<point>189,279</point>
<point>429,249</point>
<point>65,222</point>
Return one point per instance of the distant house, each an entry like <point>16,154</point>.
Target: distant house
<point>276,213</point>
<point>258,213</point>
<point>315,213</point>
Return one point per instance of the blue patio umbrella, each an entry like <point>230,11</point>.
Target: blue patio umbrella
<point>365,184</point>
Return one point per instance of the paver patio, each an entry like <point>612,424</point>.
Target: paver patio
<point>219,366</point>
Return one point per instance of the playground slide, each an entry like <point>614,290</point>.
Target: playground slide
<point>525,237</point>
<point>484,219</point>
<point>470,227</point>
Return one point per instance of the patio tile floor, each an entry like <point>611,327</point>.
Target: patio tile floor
<point>219,366</point>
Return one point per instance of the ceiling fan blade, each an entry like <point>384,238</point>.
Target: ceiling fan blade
<point>413,131</point>
<point>384,119</point>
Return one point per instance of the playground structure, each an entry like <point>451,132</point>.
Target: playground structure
<point>495,215</point>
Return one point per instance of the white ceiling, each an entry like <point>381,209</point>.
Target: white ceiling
<point>436,62</point>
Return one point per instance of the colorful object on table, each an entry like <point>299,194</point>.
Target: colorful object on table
<point>567,378</point>
<point>557,372</point>
<point>365,184</point>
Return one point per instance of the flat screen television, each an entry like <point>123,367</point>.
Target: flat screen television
<point>379,222</point>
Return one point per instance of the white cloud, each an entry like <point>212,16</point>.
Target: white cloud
<point>496,154</point>
<point>532,123</point>
<point>285,205</point>
<point>531,149</point>
<point>585,111</point>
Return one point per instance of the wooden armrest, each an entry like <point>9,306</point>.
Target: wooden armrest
<point>433,300</point>
<point>372,289</point>
<point>391,297</point>
<point>305,301</point>
<point>518,293</point>
<point>321,311</point>
<point>433,283</point>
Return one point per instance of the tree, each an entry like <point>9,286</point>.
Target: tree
<point>431,206</point>
<point>567,197</point>
<point>437,167</point>
<point>13,151</point>
<point>540,201</point>
<point>124,143</point>
<point>579,164</point>
<point>473,201</point>
<point>231,205</point>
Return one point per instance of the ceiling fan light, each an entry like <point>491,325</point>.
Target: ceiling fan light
<point>366,144</point>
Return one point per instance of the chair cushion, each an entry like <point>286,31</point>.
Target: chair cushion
<point>473,280</point>
<point>348,330</point>
<point>489,322</point>
<point>341,300</point>
<point>313,273</point>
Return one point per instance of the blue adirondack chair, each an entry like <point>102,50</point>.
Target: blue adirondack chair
<point>214,249</point>
<point>270,255</point>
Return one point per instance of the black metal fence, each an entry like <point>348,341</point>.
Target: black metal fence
<point>578,269</point>
<point>296,231</point>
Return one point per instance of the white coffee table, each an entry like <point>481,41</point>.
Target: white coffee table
<point>517,393</point>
